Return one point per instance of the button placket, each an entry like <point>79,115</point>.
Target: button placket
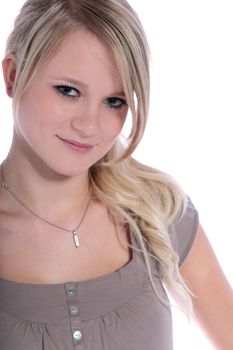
<point>75,321</point>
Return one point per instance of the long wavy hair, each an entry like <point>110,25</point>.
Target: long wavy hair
<point>145,199</point>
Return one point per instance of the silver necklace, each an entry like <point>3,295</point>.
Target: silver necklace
<point>7,187</point>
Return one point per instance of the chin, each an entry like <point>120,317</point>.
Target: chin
<point>70,170</point>
<point>53,168</point>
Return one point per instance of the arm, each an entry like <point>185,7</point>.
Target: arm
<point>213,304</point>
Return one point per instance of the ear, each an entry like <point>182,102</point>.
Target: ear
<point>9,72</point>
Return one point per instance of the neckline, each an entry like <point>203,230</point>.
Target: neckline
<point>122,270</point>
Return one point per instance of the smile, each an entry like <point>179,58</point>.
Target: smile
<point>76,146</point>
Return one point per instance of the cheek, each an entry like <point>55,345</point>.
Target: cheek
<point>112,125</point>
<point>37,110</point>
<point>111,128</point>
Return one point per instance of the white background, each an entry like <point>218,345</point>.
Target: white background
<point>189,132</point>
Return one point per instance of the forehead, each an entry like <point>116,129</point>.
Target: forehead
<point>84,56</point>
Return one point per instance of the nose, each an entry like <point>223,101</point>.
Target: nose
<point>85,120</point>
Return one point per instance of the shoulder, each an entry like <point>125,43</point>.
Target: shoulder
<point>183,231</point>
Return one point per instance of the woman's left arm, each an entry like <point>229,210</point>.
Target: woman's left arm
<point>213,301</point>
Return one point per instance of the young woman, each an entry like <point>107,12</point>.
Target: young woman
<point>89,237</point>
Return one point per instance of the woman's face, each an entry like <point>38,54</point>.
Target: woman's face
<point>77,97</point>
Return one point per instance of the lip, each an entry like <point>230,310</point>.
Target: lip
<point>77,146</point>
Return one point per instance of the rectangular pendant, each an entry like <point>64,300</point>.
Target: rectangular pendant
<point>76,240</point>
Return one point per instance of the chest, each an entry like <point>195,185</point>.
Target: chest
<point>33,252</point>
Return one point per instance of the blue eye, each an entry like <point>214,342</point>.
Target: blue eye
<point>67,91</point>
<point>115,102</point>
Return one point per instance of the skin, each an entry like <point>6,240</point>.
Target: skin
<point>47,174</point>
<point>213,306</point>
<point>56,107</point>
<point>43,170</point>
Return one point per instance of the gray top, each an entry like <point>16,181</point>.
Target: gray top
<point>113,312</point>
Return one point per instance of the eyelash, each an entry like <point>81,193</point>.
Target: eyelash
<point>61,90</point>
<point>121,100</point>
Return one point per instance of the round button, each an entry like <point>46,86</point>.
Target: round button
<point>77,335</point>
<point>71,292</point>
<point>73,310</point>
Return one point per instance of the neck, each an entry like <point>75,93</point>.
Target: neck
<point>44,191</point>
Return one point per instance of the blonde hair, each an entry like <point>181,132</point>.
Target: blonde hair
<point>144,198</point>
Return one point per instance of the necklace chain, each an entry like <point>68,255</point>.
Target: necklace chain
<point>7,187</point>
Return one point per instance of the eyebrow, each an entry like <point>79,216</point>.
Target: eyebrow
<point>85,86</point>
<point>72,81</point>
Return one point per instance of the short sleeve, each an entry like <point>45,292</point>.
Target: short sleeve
<point>184,231</point>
